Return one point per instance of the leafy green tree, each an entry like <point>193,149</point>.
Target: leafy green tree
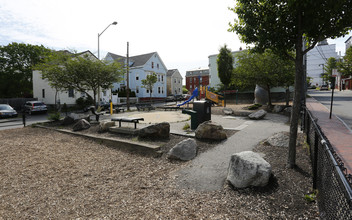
<point>149,82</point>
<point>285,26</point>
<point>16,67</point>
<point>225,67</point>
<point>266,69</point>
<point>345,66</point>
<point>81,72</point>
<point>330,64</point>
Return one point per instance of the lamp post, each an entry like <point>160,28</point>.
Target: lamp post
<point>113,23</point>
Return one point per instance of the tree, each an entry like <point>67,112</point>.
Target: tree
<point>330,64</point>
<point>295,25</point>
<point>149,82</point>
<point>345,66</point>
<point>81,72</point>
<point>266,69</point>
<point>16,63</point>
<point>225,67</point>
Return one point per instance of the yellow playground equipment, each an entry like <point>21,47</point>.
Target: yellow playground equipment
<point>218,99</point>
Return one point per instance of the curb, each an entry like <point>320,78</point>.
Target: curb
<point>125,145</point>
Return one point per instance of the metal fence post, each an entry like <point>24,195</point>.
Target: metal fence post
<point>315,160</point>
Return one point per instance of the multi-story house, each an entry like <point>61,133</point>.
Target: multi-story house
<point>174,82</point>
<point>139,67</point>
<point>197,78</point>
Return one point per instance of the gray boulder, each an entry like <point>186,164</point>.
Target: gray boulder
<point>260,95</point>
<point>258,115</point>
<point>278,140</point>
<point>248,169</point>
<point>185,150</point>
<point>160,130</point>
<point>81,125</point>
<point>278,108</point>
<point>68,121</point>
<point>227,111</point>
<point>210,130</point>
<point>105,125</point>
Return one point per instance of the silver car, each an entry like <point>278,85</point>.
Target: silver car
<point>6,111</point>
<point>35,107</point>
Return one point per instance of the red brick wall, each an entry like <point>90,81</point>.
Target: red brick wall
<point>195,82</point>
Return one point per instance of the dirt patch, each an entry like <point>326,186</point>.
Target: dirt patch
<point>46,174</point>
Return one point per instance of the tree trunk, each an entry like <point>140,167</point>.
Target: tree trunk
<point>95,100</point>
<point>291,163</point>
<point>287,96</point>
<point>269,96</point>
<point>224,95</point>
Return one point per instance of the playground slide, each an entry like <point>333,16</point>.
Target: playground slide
<point>218,99</point>
<point>194,94</point>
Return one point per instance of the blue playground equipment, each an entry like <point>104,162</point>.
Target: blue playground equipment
<point>194,94</point>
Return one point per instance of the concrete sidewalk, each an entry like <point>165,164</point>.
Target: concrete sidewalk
<point>339,136</point>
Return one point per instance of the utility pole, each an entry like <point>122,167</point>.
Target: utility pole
<point>127,80</point>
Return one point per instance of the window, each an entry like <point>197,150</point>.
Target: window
<point>179,81</point>
<point>152,65</point>
<point>200,79</point>
<point>179,90</point>
<point>43,93</point>
<point>71,93</point>
<point>157,65</point>
<point>158,78</point>
<point>162,78</point>
<point>83,94</point>
<point>147,90</point>
<point>104,92</point>
<point>137,89</point>
<point>162,90</point>
<point>159,90</point>
<point>190,79</point>
<point>137,77</point>
<point>190,87</point>
<point>175,81</point>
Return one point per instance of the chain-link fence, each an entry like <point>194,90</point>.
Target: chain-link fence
<point>330,177</point>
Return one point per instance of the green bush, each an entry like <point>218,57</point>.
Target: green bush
<point>54,116</point>
<point>84,102</point>
<point>254,107</point>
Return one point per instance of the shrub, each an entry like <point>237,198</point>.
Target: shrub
<point>54,116</point>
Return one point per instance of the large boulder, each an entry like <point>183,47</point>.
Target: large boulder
<point>160,130</point>
<point>278,108</point>
<point>280,139</point>
<point>260,95</point>
<point>210,130</point>
<point>185,150</point>
<point>248,169</point>
<point>258,115</point>
<point>227,111</point>
<point>68,120</point>
<point>81,125</point>
<point>105,125</point>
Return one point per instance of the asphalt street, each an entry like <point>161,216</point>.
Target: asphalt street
<point>342,103</point>
<point>11,123</point>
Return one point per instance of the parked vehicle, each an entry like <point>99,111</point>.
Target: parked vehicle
<point>178,97</point>
<point>170,98</point>
<point>35,107</point>
<point>6,111</point>
<point>324,87</point>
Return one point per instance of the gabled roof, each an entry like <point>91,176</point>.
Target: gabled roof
<point>135,61</point>
<point>170,72</point>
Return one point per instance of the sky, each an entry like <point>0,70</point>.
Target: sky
<point>183,32</point>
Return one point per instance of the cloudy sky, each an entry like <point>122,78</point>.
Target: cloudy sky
<point>183,32</point>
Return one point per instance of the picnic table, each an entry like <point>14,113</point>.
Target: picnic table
<point>129,120</point>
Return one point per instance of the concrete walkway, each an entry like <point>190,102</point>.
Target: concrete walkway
<point>208,171</point>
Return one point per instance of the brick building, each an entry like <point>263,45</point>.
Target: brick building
<point>197,78</point>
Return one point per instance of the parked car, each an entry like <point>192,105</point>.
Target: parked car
<point>6,111</point>
<point>178,97</point>
<point>324,87</point>
<point>170,98</point>
<point>35,107</point>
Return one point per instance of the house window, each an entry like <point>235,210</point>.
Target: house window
<point>137,77</point>
<point>162,90</point>
<point>157,65</point>
<point>162,78</point>
<point>179,81</point>
<point>159,90</point>
<point>179,90</point>
<point>175,80</point>
<point>71,93</point>
<point>158,78</point>
<point>137,89</point>
<point>83,94</point>
<point>190,87</point>
<point>147,90</point>
<point>43,93</point>
<point>190,80</point>
<point>152,65</point>
<point>104,92</point>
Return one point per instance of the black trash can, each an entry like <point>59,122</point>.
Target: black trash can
<point>203,109</point>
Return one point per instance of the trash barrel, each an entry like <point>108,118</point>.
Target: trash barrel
<point>203,109</point>
<point>194,118</point>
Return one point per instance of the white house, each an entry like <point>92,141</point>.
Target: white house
<point>174,82</point>
<point>139,67</point>
<point>44,92</point>
<point>316,60</point>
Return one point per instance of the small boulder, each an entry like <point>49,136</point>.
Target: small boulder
<point>227,111</point>
<point>278,108</point>
<point>185,150</point>
<point>105,125</point>
<point>248,169</point>
<point>258,115</point>
<point>160,130</point>
<point>210,130</point>
<point>81,125</point>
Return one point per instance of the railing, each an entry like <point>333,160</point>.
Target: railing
<point>330,177</point>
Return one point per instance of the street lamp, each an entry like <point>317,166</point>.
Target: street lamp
<point>113,23</point>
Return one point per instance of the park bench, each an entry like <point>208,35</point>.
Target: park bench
<point>96,114</point>
<point>144,106</point>
<point>129,120</point>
